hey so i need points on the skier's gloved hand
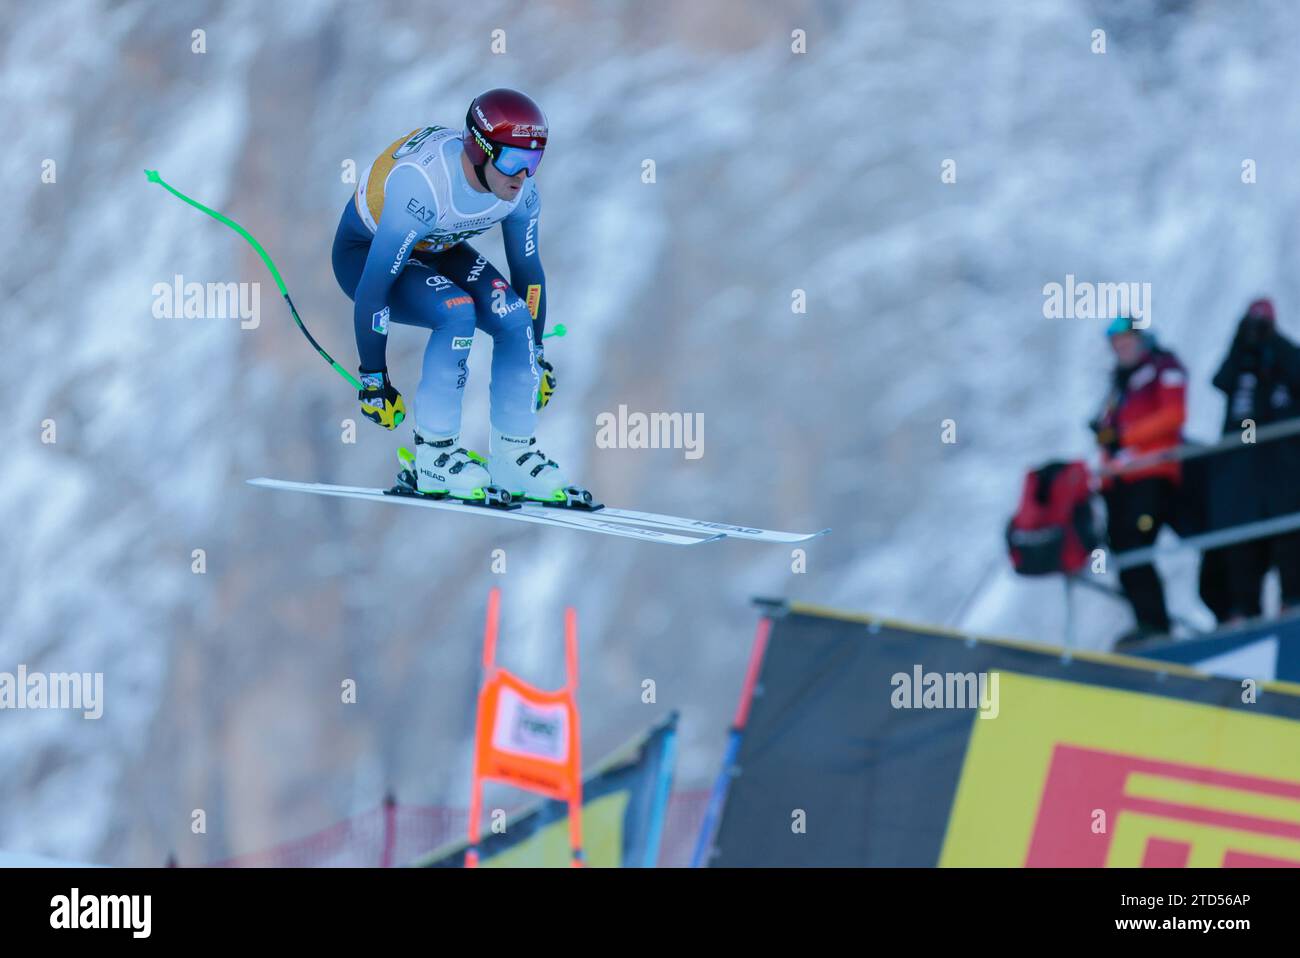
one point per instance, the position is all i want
(380, 402)
(545, 388)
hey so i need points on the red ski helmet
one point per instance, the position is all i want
(507, 128)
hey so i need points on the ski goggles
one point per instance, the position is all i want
(510, 160)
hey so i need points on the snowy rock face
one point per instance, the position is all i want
(701, 179)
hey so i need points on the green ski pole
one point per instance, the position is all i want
(275, 273)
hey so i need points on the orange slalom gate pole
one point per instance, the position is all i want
(476, 789)
(527, 737)
(575, 794)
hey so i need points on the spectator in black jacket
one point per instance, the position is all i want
(1261, 379)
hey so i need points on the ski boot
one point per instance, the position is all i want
(523, 470)
(443, 469)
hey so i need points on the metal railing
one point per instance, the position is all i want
(1264, 434)
(1208, 540)
(1218, 538)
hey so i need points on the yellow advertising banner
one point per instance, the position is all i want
(1069, 774)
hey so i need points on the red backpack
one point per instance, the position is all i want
(1053, 529)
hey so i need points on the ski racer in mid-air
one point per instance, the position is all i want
(401, 254)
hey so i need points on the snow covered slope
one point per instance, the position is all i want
(774, 172)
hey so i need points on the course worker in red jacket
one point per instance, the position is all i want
(1143, 416)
